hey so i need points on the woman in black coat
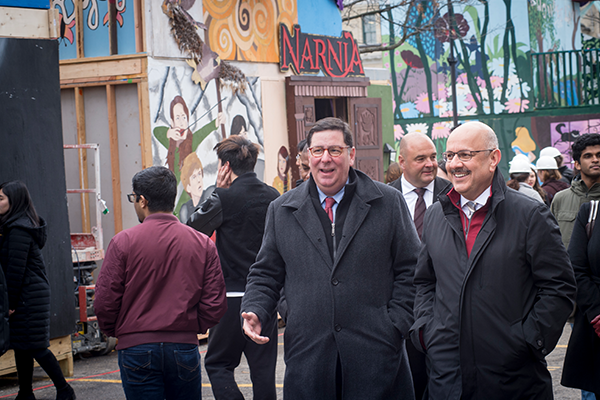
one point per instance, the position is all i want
(22, 235)
(582, 361)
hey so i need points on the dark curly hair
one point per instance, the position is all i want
(582, 142)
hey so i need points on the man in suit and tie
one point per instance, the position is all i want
(343, 248)
(420, 187)
(419, 182)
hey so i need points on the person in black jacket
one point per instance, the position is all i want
(23, 235)
(582, 362)
(237, 211)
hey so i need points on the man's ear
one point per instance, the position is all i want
(143, 201)
(495, 158)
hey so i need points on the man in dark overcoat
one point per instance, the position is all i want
(494, 282)
(344, 248)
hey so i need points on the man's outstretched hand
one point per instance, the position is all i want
(253, 328)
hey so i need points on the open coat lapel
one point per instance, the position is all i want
(307, 218)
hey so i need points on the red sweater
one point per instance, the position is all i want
(160, 281)
(470, 228)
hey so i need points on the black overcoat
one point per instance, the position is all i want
(487, 321)
(358, 305)
(28, 286)
(582, 361)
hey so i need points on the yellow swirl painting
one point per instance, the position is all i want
(246, 30)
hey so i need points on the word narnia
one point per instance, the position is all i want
(307, 54)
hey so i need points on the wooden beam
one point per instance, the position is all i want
(92, 71)
(138, 8)
(79, 21)
(71, 83)
(29, 23)
(83, 164)
(112, 28)
(145, 127)
(114, 157)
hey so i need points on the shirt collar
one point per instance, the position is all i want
(479, 201)
(337, 197)
(408, 187)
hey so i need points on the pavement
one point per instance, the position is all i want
(98, 378)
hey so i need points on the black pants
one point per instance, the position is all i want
(418, 369)
(46, 360)
(226, 343)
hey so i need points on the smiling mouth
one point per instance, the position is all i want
(461, 174)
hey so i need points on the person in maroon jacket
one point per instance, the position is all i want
(160, 285)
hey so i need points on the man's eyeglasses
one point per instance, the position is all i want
(334, 151)
(463, 155)
(132, 197)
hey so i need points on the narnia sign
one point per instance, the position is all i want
(307, 54)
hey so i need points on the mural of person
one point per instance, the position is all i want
(523, 144)
(178, 138)
(282, 180)
(192, 180)
(179, 134)
(238, 126)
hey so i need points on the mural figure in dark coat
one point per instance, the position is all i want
(22, 236)
(494, 282)
(344, 249)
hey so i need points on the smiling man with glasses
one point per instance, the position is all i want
(494, 282)
(343, 247)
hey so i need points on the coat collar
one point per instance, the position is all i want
(299, 199)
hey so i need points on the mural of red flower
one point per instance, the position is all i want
(411, 59)
(442, 28)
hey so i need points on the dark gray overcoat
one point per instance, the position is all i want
(358, 306)
(488, 320)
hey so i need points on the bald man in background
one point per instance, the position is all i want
(420, 187)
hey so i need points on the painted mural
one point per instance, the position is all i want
(492, 70)
(247, 30)
(188, 121)
(563, 134)
(95, 28)
(493, 42)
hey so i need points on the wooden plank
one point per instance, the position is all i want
(83, 164)
(61, 347)
(112, 28)
(113, 80)
(93, 71)
(27, 23)
(139, 26)
(114, 157)
(79, 21)
(145, 127)
(54, 23)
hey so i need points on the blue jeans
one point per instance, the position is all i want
(158, 371)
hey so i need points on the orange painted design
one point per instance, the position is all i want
(246, 30)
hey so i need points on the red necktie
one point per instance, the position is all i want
(329, 202)
(420, 210)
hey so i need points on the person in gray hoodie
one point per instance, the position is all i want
(584, 187)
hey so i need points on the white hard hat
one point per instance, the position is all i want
(549, 152)
(518, 157)
(520, 165)
(546, 162)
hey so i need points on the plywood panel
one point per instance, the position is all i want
(28, 23)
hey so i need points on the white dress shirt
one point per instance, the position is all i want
(479, 201)
(411, 197)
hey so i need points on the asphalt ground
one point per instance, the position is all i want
(98, 378)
